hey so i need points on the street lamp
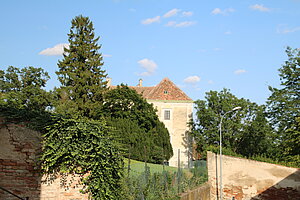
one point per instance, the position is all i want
(220, 126)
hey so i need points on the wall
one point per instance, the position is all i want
(181, 113)
(200, 193)
(19, 148)
(247, 179)
(53, 190)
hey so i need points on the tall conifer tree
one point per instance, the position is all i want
(80, 72)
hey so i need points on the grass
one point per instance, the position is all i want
(138, 167)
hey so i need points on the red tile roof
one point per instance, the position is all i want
(165, 90)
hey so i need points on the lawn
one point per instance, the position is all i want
(138, 167)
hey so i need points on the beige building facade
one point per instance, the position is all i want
(175, 116)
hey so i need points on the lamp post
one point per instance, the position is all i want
(220, 127)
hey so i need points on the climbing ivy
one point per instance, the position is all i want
(84, 147)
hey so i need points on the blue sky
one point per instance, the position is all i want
(199, 45)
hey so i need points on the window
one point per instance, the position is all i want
(166, 92)
(167, 114)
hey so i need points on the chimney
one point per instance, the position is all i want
(108, 80)
(140, 83)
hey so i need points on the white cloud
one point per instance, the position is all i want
(282, 29)
(192, 79)
(260, 7)
(171, 13)
(185, 24)
(171, 23)
(149, 65)
(187, 13)
(151, 20)
(217, 49)
(228, 33)
(240, 71)
(180, 24)
(218, 11)
(57, 50)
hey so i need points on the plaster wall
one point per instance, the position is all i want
(180, 115)
(199, 193)
(252, 180)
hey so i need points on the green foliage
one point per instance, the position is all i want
(131, 137)
(245, 131)
(257, 137)
(124, 102)
(284, 103)
(80, 73)
(135, 122)
(153, 182)
(152, 186)
(284, 109)
(34, 119)
(23, 88)
(291, 140)
(84, 147)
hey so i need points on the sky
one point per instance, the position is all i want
(199, 45)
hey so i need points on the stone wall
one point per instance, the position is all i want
(200, 193)
(252, 180)
(19, 148)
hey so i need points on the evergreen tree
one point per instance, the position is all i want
(78, 141)
(80, 72)
(136, 124)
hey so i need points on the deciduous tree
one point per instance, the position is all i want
(284, 103)
(24, 88)
(245, 131)
(284, 108)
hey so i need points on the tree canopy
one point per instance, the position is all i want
(136, 124)
(284, 103)
(246, 131)
(284, 108)
(124, 102)
(24, 88)
(80, 72)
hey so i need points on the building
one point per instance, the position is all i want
(175, 110)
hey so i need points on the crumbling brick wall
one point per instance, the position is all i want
(19, 171)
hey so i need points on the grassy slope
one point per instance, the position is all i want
(138, 167)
